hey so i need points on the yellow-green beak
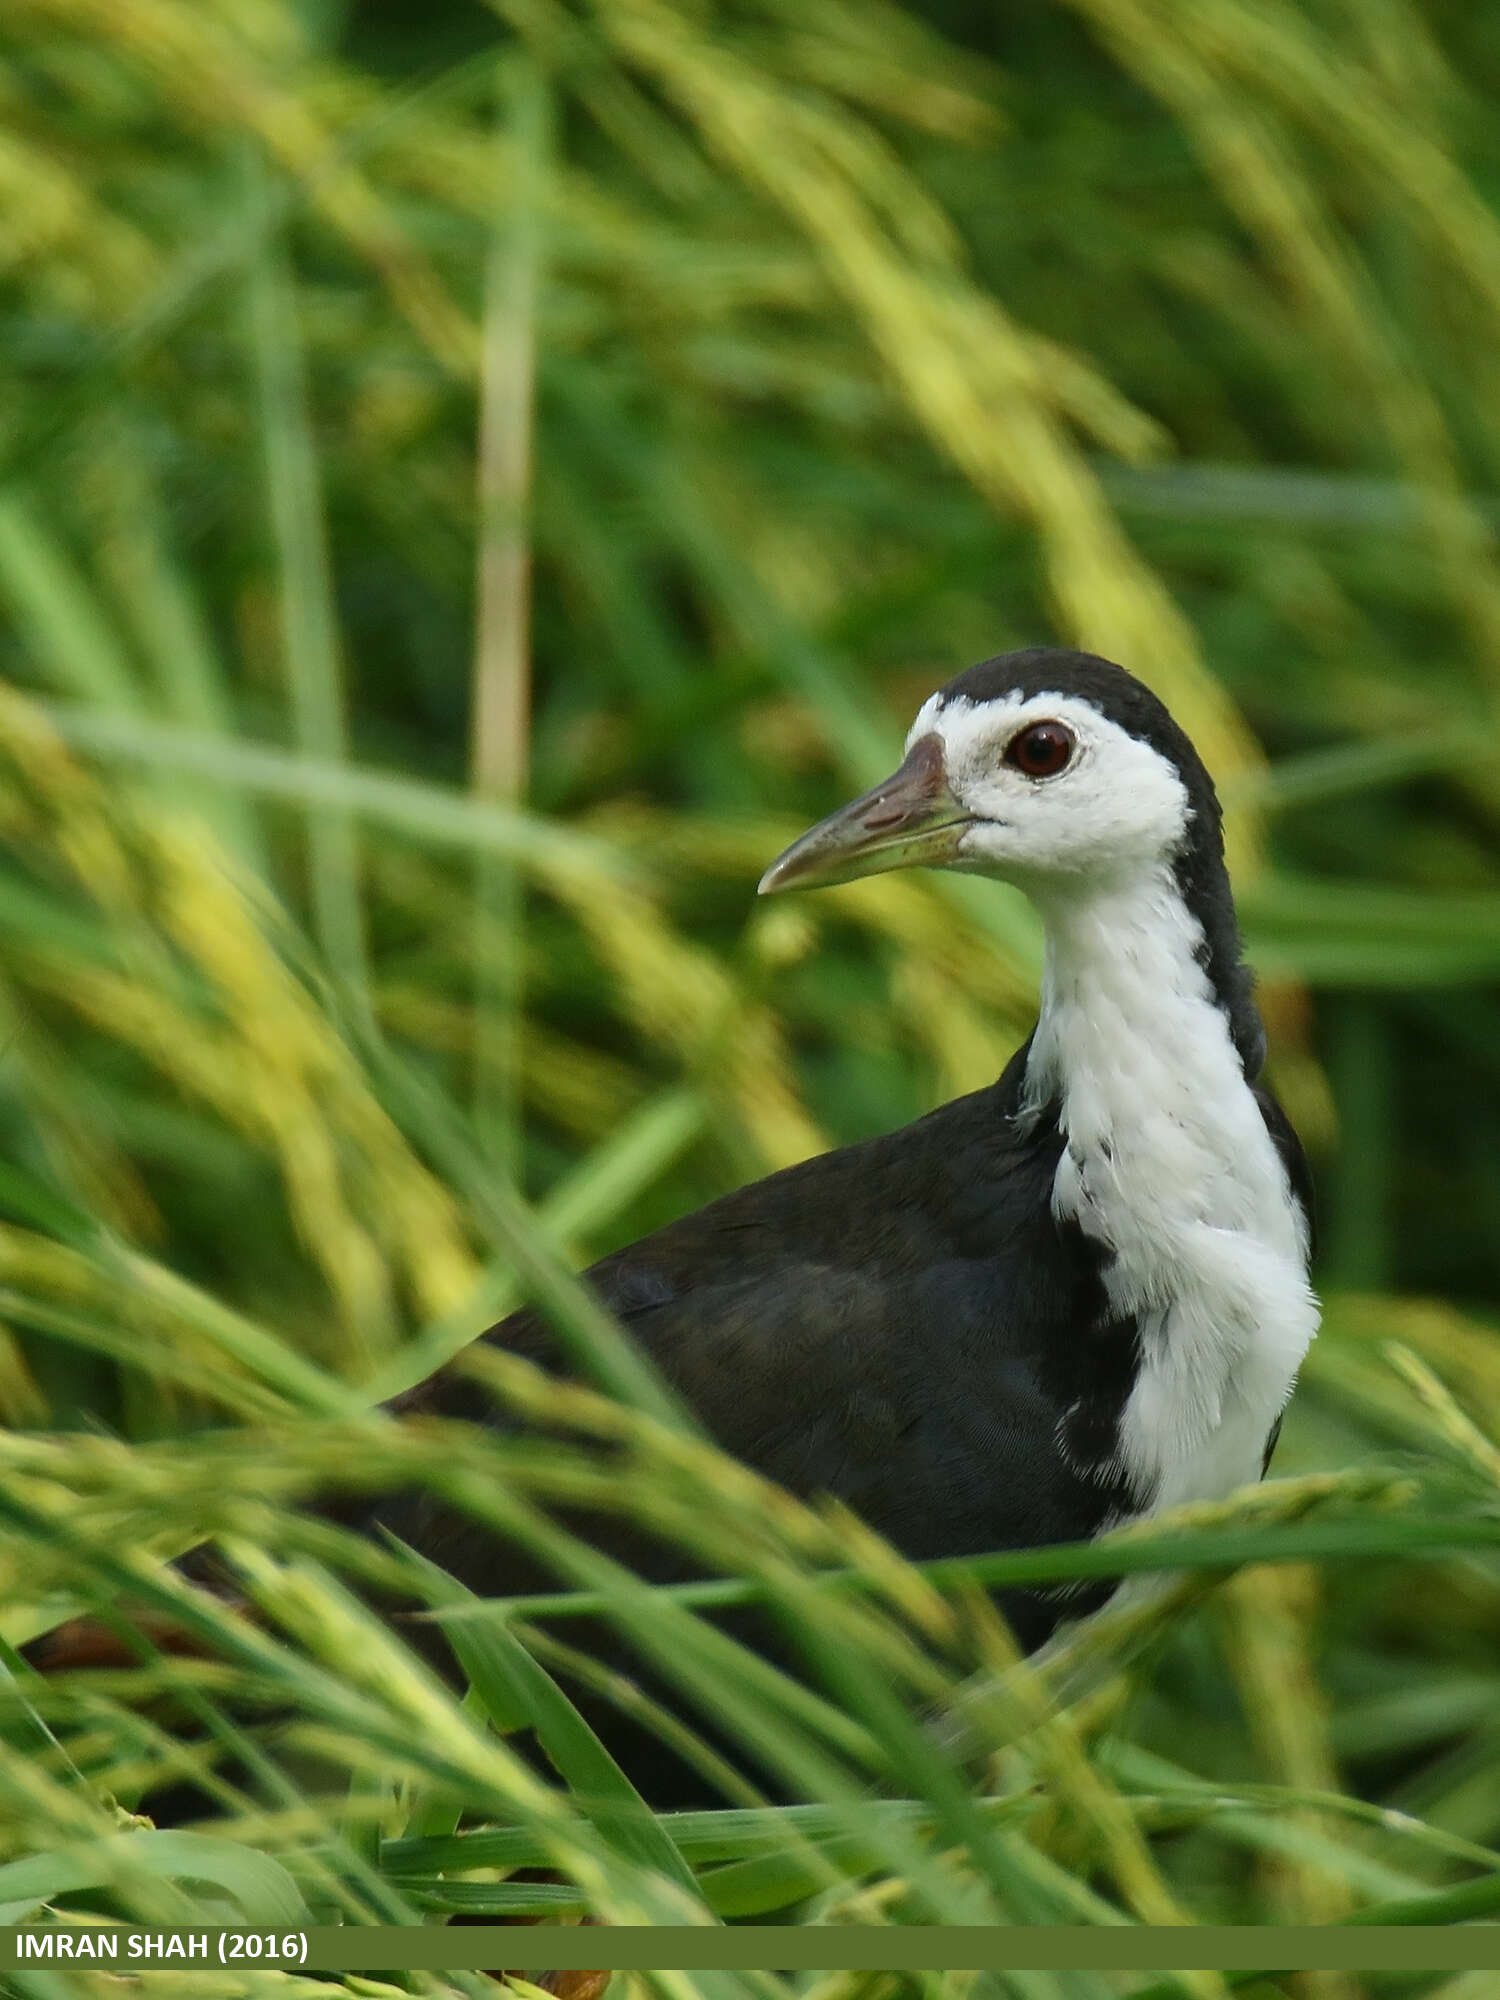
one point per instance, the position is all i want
(911, 821)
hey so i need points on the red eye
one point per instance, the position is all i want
(1042, 750)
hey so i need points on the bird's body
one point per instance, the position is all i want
(878, 1325)
(1073, 1297)
(1077, 1296)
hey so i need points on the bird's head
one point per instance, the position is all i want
(1046, 768)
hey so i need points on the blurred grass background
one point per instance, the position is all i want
(474, 481)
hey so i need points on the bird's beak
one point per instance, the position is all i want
(911, 821)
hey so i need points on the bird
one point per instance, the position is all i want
(1073, 1298)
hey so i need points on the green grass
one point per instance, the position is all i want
(819, 349)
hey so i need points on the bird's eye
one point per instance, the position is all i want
(1042, 750)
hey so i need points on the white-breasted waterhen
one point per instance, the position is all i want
(1076, 1296)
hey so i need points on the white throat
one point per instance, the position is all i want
(1168, 1162)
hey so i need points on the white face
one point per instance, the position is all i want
(1112, 807)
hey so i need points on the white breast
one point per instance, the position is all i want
(1168, 1162)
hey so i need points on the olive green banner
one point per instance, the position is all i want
(765, 1947)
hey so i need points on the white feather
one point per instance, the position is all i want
(1167, 1159)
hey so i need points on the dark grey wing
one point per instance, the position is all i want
(900, 1325)
(922, 1401)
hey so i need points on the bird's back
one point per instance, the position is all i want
(900, 1324)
